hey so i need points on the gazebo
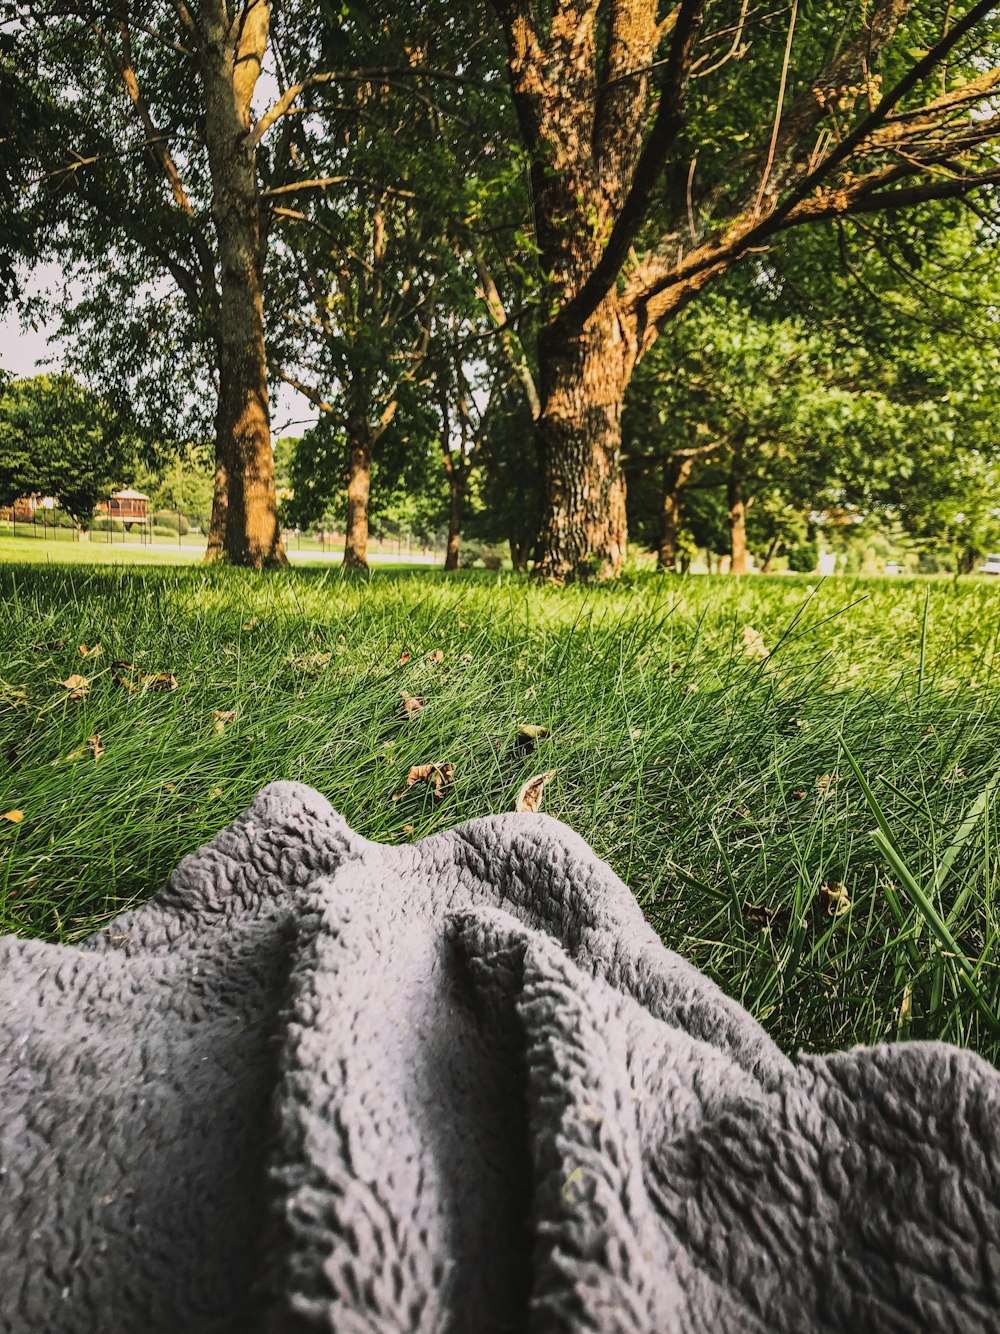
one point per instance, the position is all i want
(131, 507)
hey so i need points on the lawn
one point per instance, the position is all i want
(714, 779)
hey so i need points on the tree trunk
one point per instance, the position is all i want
(583, 380)
(230, 63)
(359, 485)
(216, 549)
(519, 553)
(772, 551)
(676, 472)
(456, 487)
(737, 523)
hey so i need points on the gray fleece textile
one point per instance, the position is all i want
(322, 1084)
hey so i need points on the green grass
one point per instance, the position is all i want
(36, 551)
(718, 785)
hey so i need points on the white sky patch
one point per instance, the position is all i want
(25, 351)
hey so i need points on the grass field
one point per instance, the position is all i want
(715, 780)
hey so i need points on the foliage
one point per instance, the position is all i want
(58, 439)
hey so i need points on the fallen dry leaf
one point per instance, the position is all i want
(529, 798)
(52, 646)
(222, 717)
(407, 829)
(78, 686)
(15, 817)
(436, 656)
(438, 776)
(798, 794)
(404, 658)
(411, 703)
(753, 643)
(466, 658)
(96, 748)
(86, 652)
(825, 781)
(769, 919)
(134, 680)
(169, 787)
(216, 792)
(252, 624)
(835, 898)
(532, 732)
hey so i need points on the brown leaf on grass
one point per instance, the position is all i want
(532, 732)
(216, 792)
(134, 680)
(438, 776)
(835, 898)
(15, 817)
(529, 798)
(86, 652)
(50, 646)
(799, 794)
(466, 658)
(404, 658)
(96, 748)
(825, 781)
(169, 787)
(78, 686)
(221, 718)
(252, 624)
(435, 656)
(768, 919)
(412, 704)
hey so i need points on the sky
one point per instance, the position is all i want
(30, 351)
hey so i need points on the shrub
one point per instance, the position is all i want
(102, 524)
(473, 554)
(803, 558)
(172, 521)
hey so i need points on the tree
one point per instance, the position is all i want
(58, 439)
(664, 149)
(814, 382)
(166, 159)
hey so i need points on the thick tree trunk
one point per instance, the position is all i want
(737, 523)
(230, 63)
(359, 485)
(456, 487)
(583, 380)
(676, 472)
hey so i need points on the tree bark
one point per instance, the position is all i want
(230, 62)
(359, 483)
(583, 379)
(456, 489)
(676, 472)
(216, 549)
(737, 522)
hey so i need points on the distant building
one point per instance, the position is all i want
(28, 508)
(128, 506)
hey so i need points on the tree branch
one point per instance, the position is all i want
(666, 126)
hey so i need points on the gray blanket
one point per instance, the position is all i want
(321, 1084)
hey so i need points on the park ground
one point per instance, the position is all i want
(798, 782)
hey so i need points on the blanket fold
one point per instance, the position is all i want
(321, 1084)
